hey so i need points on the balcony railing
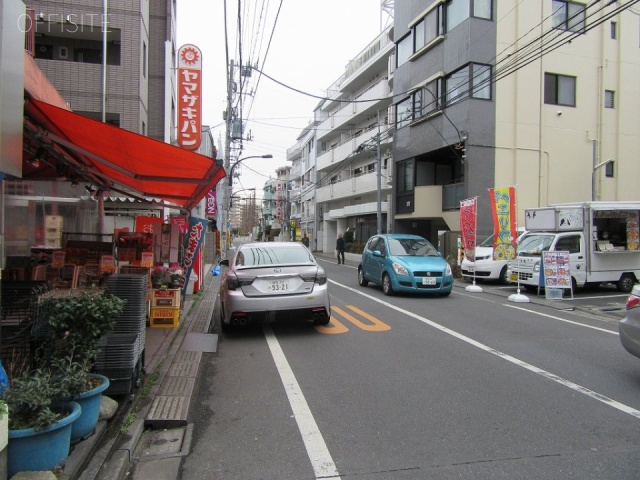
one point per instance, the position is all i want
(346, 148)
(354, 186)
(360, 209)
(350, 110)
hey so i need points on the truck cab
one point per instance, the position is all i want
(526, 267)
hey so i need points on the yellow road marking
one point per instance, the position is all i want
(378, 325)
(334, 327)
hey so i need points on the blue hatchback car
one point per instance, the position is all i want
(404, 263)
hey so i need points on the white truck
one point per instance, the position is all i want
(601, 238)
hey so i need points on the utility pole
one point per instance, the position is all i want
(379, 189)
(226, 193)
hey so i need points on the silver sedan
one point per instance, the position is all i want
(273, 280)
(629, 326)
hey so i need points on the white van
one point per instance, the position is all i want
(485, 267)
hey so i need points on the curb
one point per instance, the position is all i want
(119, 460)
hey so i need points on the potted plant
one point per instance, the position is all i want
(39, 427)
(176, 275)
(159, 276)
(76, 324)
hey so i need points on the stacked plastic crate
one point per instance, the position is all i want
(121, 356)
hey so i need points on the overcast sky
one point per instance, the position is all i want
(308, 50)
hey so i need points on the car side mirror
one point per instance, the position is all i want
(224, 263)
(377, 253)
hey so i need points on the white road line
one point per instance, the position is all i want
(321, 461)
(560, 319)
(532, 368)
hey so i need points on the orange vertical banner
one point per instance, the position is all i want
(503, 207)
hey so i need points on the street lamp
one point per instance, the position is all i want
(267, 155)
(227, 194)
(243, 190)
(593, 177)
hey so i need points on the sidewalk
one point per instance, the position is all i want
(123, 447)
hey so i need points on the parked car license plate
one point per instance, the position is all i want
(428, 281)
(278, 286)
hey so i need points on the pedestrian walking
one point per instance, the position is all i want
(341, 246)
(305, 240)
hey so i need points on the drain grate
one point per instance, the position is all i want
(200, 342)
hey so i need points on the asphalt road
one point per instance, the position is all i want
(470, 386)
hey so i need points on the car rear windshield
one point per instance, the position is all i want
(411, 246)
(268, 255)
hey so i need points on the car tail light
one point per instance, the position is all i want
(320, 278)
(632, 302)
(233, 281)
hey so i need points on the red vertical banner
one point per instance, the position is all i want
(189, 97)
(468, 227)
(503, 207)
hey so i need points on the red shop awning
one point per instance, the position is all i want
(145, 166)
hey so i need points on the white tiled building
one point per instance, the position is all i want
(352, 138)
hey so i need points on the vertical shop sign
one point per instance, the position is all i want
(503, 207)
(189, 97)
(468, 227)
(180, 221)
(193, 242)
(211, 208)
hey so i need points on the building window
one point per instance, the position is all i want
(482, 9)
(427, 99)
(405, 176)
(559, 90)
(609, 99)
(481, 81)
(144, 60)
(568, 15)
(614, 30)
(428, 29)
(404, 49)
(457, 12)
(87, 55)
(473, 80)
(404, 113)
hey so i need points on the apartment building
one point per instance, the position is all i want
(137, 90)
(276, 207)
(353, 148)
(540, 95)
(303, 185)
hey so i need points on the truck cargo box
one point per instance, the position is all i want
(554, 219)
